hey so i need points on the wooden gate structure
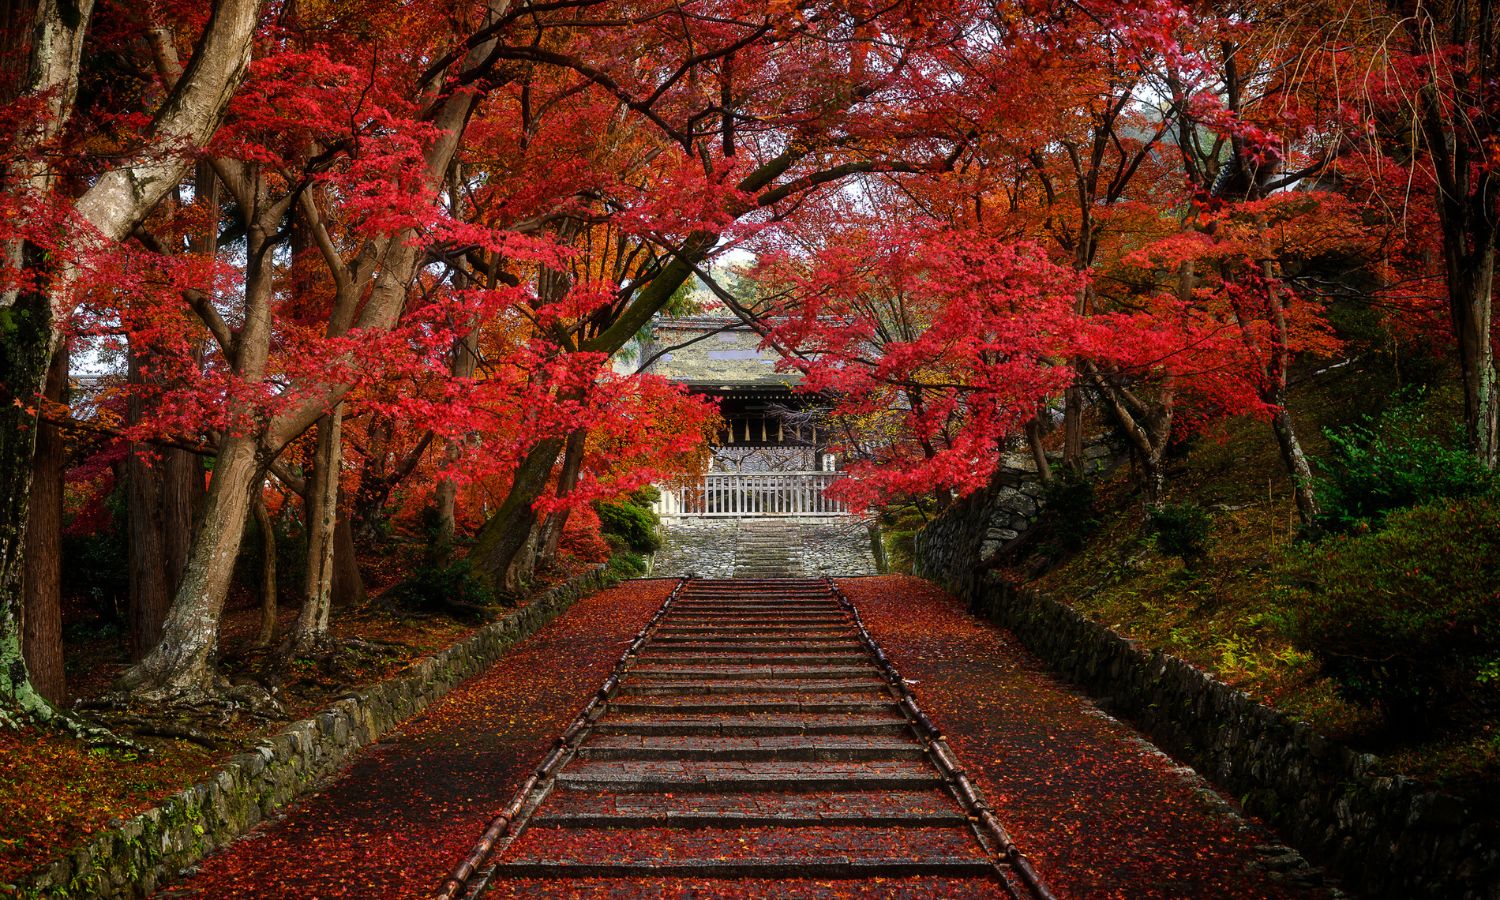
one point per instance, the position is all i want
(752, 494)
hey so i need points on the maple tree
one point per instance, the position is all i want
(1434, 114)
(941, 344)
(42, 272)
(381, 259)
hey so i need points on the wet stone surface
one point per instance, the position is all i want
(752, 762)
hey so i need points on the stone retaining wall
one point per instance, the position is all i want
(1380, 836)
(155, 846)
(709, 547)
(988, 523)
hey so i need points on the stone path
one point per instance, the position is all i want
(752, 731)
(768, 548)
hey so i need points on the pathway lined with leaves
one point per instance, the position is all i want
(753, 730)
(663, 778)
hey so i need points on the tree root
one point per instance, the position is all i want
(206, 708)
(151, 727)
(30, 709)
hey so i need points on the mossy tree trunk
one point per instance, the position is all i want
(42, 609)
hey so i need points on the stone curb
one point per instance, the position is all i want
(154, 847)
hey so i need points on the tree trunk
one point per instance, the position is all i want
(181, 665)
(503, 538)
(268, 598)
(150, 585)
(25, 357)
(1297, 467)
(182, 472)
(465, 361)
(445, 497)
(567, 479)
(348, 584)
(42, 611)
(1073, 429)
(1038, 452)
(1471, 280)
(1147, 426)
(311, 628)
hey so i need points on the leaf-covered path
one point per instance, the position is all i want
(1099, 811)
(753, 730)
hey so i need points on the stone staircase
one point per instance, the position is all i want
(768, 548)
(755, 732)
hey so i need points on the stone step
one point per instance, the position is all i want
(719, 615)
(706, 726)
(753, 704)
(837, 645)
(663, 669)
(716, 777)
(848, 638)
(836, 867)
(666, 844)
(670, 656)
(750, 686)
(730, 623)
(803, 808)
(821, 604)
(756, 595)
(785, 748)
(690, 819)
(730, 653)
(759, 595)
(667, 629)
(753, 738)
(765, 610)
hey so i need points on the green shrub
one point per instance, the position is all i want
(901, 549)
(632, 523)
(1391, 462)
(627, 565)
(1070, 508)
(453, 589)
(1406, 619)
(1180, 530)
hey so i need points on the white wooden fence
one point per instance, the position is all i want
(740, 494)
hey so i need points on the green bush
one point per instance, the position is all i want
(1406, 619)
(1391, 462)
(901, 549)
(630, 522)
(627, 565)
(1070, 509)
(1180, 530)
(453, 589)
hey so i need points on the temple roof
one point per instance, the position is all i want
(726, 356)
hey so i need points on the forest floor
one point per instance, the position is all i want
(1228, 614)
(1101, 812)
(58, 792)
